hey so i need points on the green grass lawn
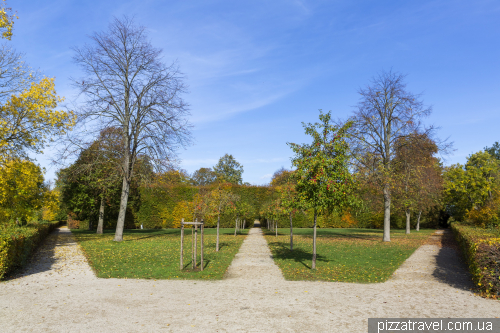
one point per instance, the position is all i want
(155, 254)
(347, 255)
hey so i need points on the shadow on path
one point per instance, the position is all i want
(44, 257)
(450, 266)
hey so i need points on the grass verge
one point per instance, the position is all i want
(346, 255)
(154, 254)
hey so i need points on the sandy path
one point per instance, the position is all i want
(254, 260)
(66, 297)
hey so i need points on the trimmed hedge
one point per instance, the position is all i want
(18, 243)
(481, 249)
(158, 203)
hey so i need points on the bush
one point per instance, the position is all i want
(18, 243)
(481, 249)
(72, 222)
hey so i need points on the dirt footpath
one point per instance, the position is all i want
(60, 294)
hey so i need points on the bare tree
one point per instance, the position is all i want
(126, 85)
(386, 114)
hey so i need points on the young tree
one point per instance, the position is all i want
(288, 200)
(219, 200)
(126, 85)
(386, 114)
(229, 170)
(322, 174)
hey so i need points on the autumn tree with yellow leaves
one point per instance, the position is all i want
(6, 20)
(21, 190)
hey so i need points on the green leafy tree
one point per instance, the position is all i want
(494, 150)
(322, 174)
(473, 185)
(203, 177)
(95, 178)
(229, 170)
(280, 177)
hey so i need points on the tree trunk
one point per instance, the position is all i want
(291, 233)
(276, 227)
(387, 213)
(407, 221)
(313, 266)
(218, 223)
(100, 224)
(235, 227)
(418, 221)
(123, 209)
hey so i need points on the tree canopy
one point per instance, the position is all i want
(229, 170)
(322, 177)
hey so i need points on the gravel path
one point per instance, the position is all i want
(59, 293)
(254, 260)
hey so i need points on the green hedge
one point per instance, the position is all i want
(157, 199)
(18, 243)
(481, 248)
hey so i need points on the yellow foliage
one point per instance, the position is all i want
(348, 220)
(21, 190)
(6, 22)
(50, 205)
(183, 210)
(28, 119)
(487, 214)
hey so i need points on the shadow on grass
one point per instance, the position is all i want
(188, 267)
(283, 252)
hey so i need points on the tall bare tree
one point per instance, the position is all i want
(126, 85)
(386, 113)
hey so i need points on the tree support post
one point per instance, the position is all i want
(182, 244)
(194, 238)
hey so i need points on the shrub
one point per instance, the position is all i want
(481, 249)
(72, 223)
(17, 244)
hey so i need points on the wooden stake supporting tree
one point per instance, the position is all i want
(194, 241)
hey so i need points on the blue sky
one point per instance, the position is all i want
(257, 69)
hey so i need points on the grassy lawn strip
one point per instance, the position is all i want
(346, 255)
(154, 254)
